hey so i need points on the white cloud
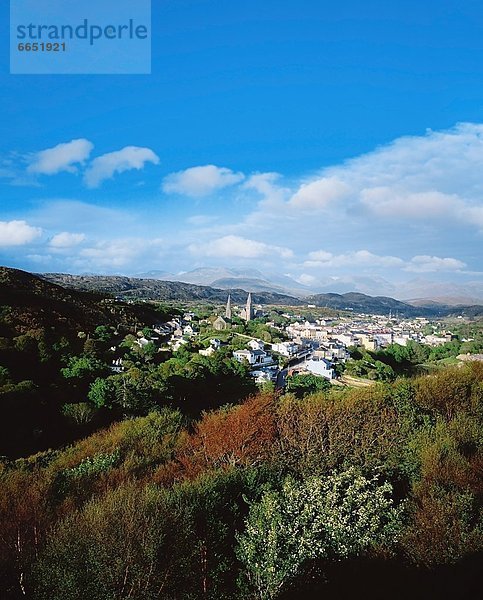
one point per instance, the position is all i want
(64, 214)
(105, 166)
(319, 194)
(394, 203)
(266, 184)
(364, 258)
(306, 279)
(435, 176)
(232, 246)
(200, 181)
(17, 233)
(432, 264)
(41, 259)
(62, 157)
(322, 258)
(66, 240)
(429, 180)
(119, 253)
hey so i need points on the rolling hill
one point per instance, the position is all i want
(132, 288)
(30, 302)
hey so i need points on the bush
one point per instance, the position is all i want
(334, 517)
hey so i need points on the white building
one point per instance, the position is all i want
(320, 367)
(207, 351)
(256, 345)
(253, 357)
(286, 348)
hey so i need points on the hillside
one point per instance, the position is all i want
(29, 302)
(224, 278)
(363, 303)
(153, 289)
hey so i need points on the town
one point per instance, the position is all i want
(288, 342)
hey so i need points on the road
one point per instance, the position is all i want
(281, 377)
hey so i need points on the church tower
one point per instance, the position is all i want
(228, 308)
(249, 314)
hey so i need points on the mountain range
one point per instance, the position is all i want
(224, 278)
(135, 288)
(132, 288)
(419, 291)
(75, 301)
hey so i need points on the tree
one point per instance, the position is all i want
(80, 413)
(103, 333)
(102, 392)
(320, 518)
(83, 367)
(384, 372)
(302, 385)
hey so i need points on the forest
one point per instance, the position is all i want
(280, 496)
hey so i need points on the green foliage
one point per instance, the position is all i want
(150, 506)
(303, 384)
(82, 368)
(80, 413)
(92, 465)
(335, 517)
(4, 376)
(107, 550)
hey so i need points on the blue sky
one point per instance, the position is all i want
(311, 138)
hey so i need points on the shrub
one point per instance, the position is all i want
(335, 517)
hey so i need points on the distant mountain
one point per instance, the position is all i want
(363, 303)
(414, 290)
(383, 305)
(164, 275)
(255, 285)
(364, 284)
(131, 288)
(446, 292)
(224, 278)
(152, 289)
(29, 302)
(445, 300)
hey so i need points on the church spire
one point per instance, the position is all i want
(249, 308)
(228, 308)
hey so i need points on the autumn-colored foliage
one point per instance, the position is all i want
(238, 436)
(151, 507)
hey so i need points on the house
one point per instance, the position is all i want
(116, 365)
(286, 348)
(384, 339)
(215, 344)
(207, 351)
(189, 331)
(344, 338)
(253, 357)
(333, 351)
(434, 340)
(262, 376)
(320, 367)
(368, 342)
(142, 341)
(256, 345)
(176, 343)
